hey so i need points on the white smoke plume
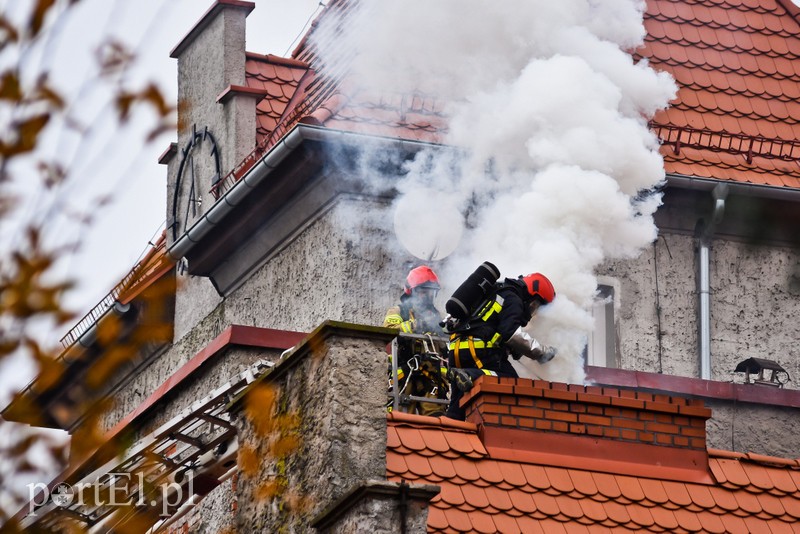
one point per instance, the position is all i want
(558, 167)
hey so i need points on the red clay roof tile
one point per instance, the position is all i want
(583, 482)
(640, 515)
(475, 496)
(458, 519)
(418, 465)
(570, 507)
(724, 498)
(436, 518)
(735, 525)
(395, 463)
(499, 498)
(559, 479)
(782, 480)
(482, 522)
(522, 501)
(687, 520)
(654, 490)
(792, 507)
(443, 467)
(630, 488)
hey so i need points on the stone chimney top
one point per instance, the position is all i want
(206, 19)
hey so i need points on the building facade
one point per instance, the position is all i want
(280, 256)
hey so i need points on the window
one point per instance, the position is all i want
(601, 348)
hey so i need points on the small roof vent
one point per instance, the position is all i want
(766, 372)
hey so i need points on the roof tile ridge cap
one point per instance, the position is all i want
(771, 460)
(280, 60)
(396, 418)
(722, 453)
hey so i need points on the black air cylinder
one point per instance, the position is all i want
(473, 291)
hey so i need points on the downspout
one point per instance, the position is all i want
(719, 193)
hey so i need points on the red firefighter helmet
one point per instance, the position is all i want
(540, 286)
(422, 276)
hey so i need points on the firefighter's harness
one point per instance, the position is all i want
(458, 342)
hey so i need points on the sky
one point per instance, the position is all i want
(114, 176)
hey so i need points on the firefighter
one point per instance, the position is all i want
(417, 314)
(494, 333)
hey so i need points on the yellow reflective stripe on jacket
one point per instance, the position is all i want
(496, 307)
(471, 343)
(392, 320)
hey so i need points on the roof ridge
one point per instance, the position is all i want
(397, 418)
(772, 461)
(278, 60)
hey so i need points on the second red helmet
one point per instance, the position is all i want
(540, 286)
(422, 276)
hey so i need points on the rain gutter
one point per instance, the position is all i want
(266, 165)
(734, 188)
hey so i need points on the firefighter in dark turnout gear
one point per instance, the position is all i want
(495, 332)
(417, 314)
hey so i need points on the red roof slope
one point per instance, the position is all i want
(736, 116)
(536, 456)
(279, 77)
(485, 494)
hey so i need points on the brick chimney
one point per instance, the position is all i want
(607, 429)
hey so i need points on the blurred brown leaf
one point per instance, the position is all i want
(27, 135)
(8, 32)
(38, 15)
(9, 87)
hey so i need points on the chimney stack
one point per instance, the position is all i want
(607, 429)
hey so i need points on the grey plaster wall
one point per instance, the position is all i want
(336, 391)
(338, 268)
(755, 299)
(195, 299)
(743, 427)
(214, 374)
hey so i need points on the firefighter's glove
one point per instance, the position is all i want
(522, 344)
(546, 354)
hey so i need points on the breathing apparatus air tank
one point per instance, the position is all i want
(472, 292)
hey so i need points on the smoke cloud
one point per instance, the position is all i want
(557, 171)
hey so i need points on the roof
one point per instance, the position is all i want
(279, 77)
(483, 493)
(736, 116)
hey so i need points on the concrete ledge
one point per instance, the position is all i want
(312, 341)
(401, 491)
(694, 387)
